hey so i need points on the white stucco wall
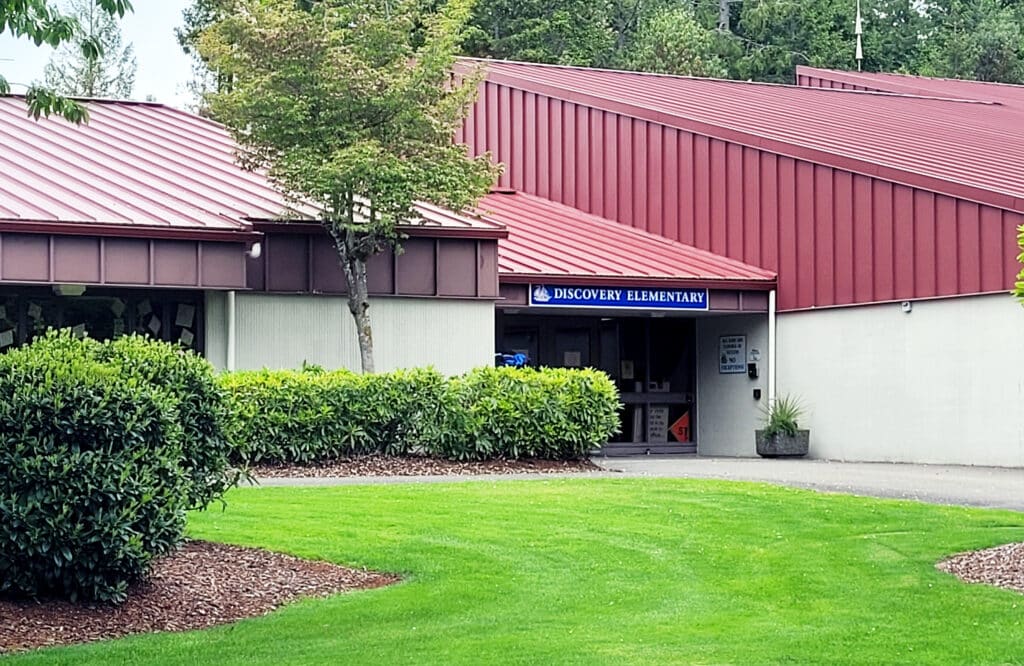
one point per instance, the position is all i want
(282, 331)
(727, 413)
(941, 384)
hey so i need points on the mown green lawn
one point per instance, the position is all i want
(607, 572)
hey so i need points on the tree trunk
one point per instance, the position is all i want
(723, 15)
(358, 299)
(359, 305)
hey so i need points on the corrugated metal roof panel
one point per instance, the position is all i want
(1003, 93)
(145, 166)
(963, 148)
(551, 241)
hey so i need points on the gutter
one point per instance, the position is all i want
(65, 228)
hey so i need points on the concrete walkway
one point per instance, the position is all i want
(939, 484)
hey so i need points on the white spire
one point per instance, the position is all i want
(859, 30)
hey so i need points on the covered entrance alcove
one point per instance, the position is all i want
(655, 315)
(651, 360)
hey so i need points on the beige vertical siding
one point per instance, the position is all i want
(282, 331)
(941, 384)
(727, 413)
(451, 335)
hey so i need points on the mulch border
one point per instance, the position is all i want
(201, 585)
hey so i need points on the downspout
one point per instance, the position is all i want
(771, 347)
(230, 362)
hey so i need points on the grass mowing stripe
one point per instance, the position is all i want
(599, 571)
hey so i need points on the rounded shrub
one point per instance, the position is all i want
(191, 383)
(92, 485)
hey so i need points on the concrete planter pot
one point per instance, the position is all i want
(782, 445)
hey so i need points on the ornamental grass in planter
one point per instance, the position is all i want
(781, 435)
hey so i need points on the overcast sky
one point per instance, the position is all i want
(164, 71)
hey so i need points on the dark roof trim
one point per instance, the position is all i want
(909, 178)
(64, 228)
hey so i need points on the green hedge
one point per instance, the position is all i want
(534, 413)
(285, 416)
(98, 461)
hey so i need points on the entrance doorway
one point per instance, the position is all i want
(651, 360)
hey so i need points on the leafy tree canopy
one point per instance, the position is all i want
(671, 41)
(349, 104)
(41, 22)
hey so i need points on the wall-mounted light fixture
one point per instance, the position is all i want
(907, 306)
(255, 251)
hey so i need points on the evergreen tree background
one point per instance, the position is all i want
(765, 39)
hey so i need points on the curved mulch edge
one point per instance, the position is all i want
(201, 585)
(381, 465)
(1002, 566)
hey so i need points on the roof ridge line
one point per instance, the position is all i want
(912, 77)
(738, 82)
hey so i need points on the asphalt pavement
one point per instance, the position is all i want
(993, 487)
(939, 484)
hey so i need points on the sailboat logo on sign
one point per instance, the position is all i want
(541, 294)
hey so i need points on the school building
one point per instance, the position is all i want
(849, 240)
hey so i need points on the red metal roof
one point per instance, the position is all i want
(1002, 93)
(971, 150)
(147, 169)
(562, 245)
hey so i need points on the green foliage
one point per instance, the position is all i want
(287, 416)
(91, 485)
(564, 32)
(280, 416)
(350, 106)
(782, 416)
(777, 36)
(672, 42)
(976, 39)
(549, 413)
(973, 39)
(109, 73)
(41, 22)
(190, 383)
(103, 447)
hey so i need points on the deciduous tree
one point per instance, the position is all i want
(342, 109)
(41, 22)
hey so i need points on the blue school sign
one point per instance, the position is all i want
(636, 298)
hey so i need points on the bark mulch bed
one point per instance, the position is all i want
(1002, 566)
(201, 585)
(419, 466)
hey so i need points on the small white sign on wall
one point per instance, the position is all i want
(657, 423)
(732, 354)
